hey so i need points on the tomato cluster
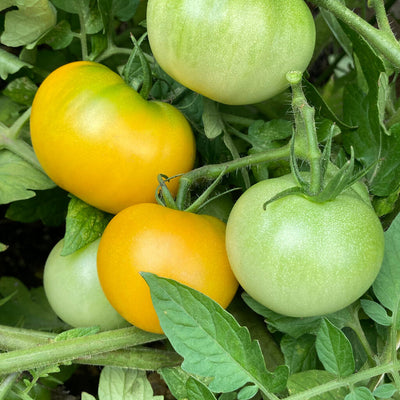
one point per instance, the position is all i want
(99, 139)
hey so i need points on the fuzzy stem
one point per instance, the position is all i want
(64, 351)
(382, 41)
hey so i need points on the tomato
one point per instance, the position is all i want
(301, 258)
(179, 245)
(73, 289)
(99, 139)
(232, 51)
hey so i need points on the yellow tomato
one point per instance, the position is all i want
(179, 245)
(100, 140)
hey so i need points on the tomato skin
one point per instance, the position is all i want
(100, 140)
(73, 289)
(300, 258)
(232, 51)
(179, 245)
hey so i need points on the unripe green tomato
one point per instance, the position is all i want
(232, 51)
(73, 289)
(301, 258)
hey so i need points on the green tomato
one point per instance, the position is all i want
(73, 289)
(232, 51)
(301, 258)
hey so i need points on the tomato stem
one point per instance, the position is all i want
(306, 133)
(213, 171)
(64, 351)
(382, 40)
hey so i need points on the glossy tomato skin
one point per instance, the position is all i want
(232, 51)
(179, 245)
(100, 140)
(300, 258)
(73, 289)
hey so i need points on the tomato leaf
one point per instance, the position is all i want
(26, 308)
(25, 25)
(48, 206)
(376, 312)
(334, 350)
(360, 393)
(84, 224)
(387, 284)
(364, 105)
(10, 64)
(385, 391)
(212, 121)
(308, 379)
(300, 354)
(295, 327)
(128, 384)
(212, 343)
(59, 37)
(18, 179)
(198, 391)
(176, 379)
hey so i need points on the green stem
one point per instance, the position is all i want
(212, 171)
(306, 134)
(82, 36)
(237, 119)
(345, 382)
(140, 357)
(381, 16)
(380, 40)
(64, 351)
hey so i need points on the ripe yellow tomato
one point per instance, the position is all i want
(179, 245)
(99, 139)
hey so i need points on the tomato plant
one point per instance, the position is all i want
(99, 139)
(73, 289)
(302, 258)
(175, 244)
(235, 52)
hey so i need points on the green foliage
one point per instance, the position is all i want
(249, 351)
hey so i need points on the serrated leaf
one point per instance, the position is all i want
(376, 312)
(360, 393)
(21, 90)
(26, 308)
(334, 350)
(209, 339)
(387, 284)
(176, 379)
(25, 25)
(84, 224)
(59, 37)
(125, 10)
(10, 64)
(196, 390)
(262, 134)
(302, 381)
(77, 332)
(127, 384)
(385, 391)
(212, 121)
(48, 206)
(248, 392)
(300, 354)
(18, 178)
(295, 327)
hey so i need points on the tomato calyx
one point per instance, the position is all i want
(165, 198)
(130, 70)
(322, 185)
